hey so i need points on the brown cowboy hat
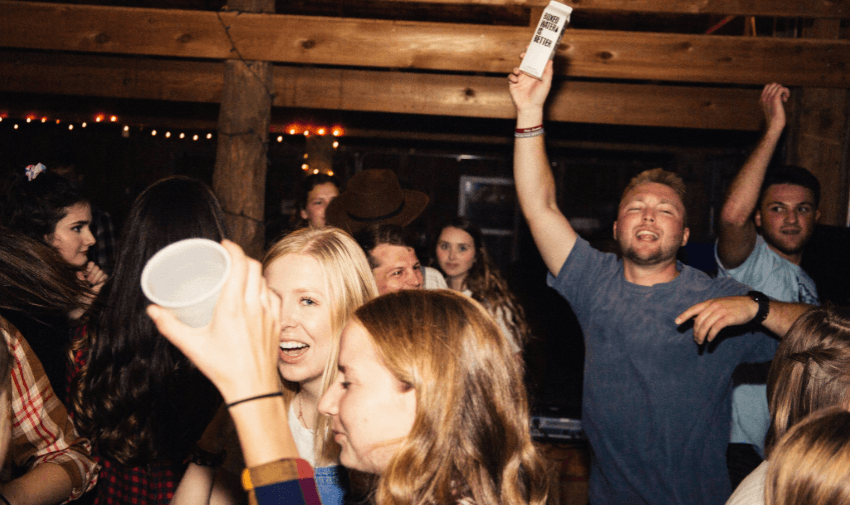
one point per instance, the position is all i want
(374, 196)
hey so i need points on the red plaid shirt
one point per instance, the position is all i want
(42, 432)
(150, 485)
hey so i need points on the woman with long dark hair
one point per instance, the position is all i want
(460, 254)
(47, 461)
(52, 210)
(137, 397)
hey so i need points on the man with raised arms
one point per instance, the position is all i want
(655, 405)
(765, 224)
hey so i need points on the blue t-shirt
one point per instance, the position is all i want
(656, 407)
(773, 275)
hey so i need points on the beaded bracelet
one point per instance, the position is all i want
(528, 132)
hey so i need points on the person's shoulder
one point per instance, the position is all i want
(718, 286)
(585, 260)
(751, 490)
(433, 279)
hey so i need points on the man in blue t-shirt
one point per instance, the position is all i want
(767, 219)
(655, 404)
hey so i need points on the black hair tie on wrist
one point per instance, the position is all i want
(252, 398)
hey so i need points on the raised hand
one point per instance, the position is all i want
(529, 94)
(773, 96)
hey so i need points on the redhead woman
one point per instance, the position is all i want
(463, 259)
(427, 397)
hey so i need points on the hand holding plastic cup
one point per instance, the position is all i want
(186, 278)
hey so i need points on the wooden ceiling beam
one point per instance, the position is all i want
(829, 9)
(441, 47)
(382, 91)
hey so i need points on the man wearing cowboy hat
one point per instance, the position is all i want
(373, 199)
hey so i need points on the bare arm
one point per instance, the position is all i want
(44, 484)
(712, 316)
(535, 184)
(737, 232)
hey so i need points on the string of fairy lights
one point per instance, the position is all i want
(278, 133)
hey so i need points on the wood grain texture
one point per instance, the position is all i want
(383, 91)
(820, 140)
(777, 8)
(422, 46)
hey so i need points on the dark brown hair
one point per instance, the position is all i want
(138, 398)
(487, 284)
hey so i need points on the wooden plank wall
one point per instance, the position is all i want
(612, 77)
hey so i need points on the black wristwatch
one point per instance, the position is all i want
(764, 306)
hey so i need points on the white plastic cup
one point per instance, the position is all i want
(186, 278)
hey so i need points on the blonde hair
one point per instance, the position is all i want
(659, 176)
(811, 464)
(349, 283)
(810, 370)
(470, 439)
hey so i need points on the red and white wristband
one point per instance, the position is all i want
(534, 131)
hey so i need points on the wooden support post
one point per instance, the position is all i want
(819, 135)
(239, 179)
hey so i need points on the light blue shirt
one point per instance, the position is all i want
(766, 271)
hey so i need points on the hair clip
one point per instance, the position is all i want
(32, 171)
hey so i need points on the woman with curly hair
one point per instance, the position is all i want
(52, 210)
(49, 208)
(138, 399)
(463, 259)
(427, 397)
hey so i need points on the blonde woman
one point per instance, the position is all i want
(321, 276)
(427, 397)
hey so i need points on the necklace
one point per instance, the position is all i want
(300, 409)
